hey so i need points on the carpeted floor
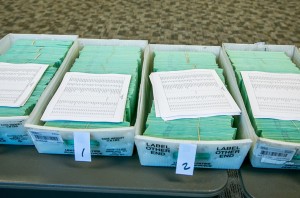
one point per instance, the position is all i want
(199, 22)
(194, 22)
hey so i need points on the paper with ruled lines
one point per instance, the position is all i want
(89, 97)
(273, 95)
(191, 94)
(17, 82)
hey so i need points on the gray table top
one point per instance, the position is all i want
(22, 167)
(263, 182)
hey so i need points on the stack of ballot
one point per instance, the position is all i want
(51, 52)
(185, 73)
(269, 83)
(48, 52)
(106, 60)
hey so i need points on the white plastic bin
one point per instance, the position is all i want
(163, 152)
(104, 141)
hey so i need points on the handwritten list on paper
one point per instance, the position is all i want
(273, 95)
(89, 97)
(191, 94)
(17, 82)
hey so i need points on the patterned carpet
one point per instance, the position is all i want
(205, 22)
(197, 22)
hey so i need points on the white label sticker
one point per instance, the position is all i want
(274, 155)
(82, 147)
(48, 137)
(186, 159)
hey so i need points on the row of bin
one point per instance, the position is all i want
(152, 151)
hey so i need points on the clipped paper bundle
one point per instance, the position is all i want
(279, 78)
(108, 60)
(49, 52)
(217, 127)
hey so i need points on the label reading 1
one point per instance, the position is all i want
(48, 137)
(82, 148)
(186, 159)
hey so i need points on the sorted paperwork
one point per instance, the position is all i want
(17, 82)
(48, 52)
(89, 97)
(108, 60)
(184, 90)
(273, 95)
(272, 101)
(191, 94)
(51, 52)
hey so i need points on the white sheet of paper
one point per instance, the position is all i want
(90, 98)
(273, 95)
(186, 159)
(82, 147)
(191, 94)
(17, 82)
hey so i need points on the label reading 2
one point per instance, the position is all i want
(186, 159)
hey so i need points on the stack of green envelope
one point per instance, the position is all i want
(109, 60)
(276, 62)
(204, 128)
(50, 52)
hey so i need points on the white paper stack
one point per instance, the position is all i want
(17, 82)
(191, 93)
(273, 95)
(270, 85)
(89, 98)
(191, 101)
